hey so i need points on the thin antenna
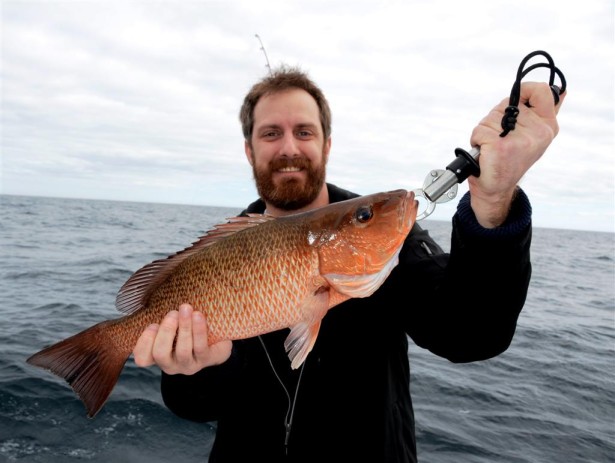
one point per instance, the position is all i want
(264, 52)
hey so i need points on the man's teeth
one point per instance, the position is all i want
(290, 169)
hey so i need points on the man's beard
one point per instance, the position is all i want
(291, 193)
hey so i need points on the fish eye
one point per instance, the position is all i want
(364, 214)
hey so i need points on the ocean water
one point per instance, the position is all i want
(550, 398)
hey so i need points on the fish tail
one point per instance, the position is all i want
(90, 361)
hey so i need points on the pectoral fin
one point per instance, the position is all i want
(300, 341)
(302, 336)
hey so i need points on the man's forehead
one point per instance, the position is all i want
(278, 107)
(289, 96)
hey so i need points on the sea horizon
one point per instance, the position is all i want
(240, 208)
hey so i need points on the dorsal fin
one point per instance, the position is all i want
(135, 292)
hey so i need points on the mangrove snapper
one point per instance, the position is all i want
(249, 276)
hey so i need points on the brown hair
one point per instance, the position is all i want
(280, 79)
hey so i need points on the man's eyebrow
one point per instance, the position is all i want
(301, 125)
(269, 126)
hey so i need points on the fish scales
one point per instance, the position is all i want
(241, 283)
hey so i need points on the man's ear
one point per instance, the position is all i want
(327, 149)
(248, 150)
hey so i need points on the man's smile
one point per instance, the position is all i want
(289, 169)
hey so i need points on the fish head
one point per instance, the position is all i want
(359, 239)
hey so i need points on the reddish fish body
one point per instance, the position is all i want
(249, 276)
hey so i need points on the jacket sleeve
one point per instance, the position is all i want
(201, 397)
(465, 304)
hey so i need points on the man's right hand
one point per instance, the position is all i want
(190, 353)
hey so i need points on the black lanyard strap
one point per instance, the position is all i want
(512, 110)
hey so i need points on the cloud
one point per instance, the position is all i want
(139, 100)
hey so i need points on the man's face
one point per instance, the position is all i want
(287, 151)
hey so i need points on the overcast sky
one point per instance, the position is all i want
(138, 100)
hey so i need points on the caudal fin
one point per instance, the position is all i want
(89, 361)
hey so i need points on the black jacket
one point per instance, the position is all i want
(353, 401)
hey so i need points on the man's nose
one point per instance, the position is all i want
(289, 146)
